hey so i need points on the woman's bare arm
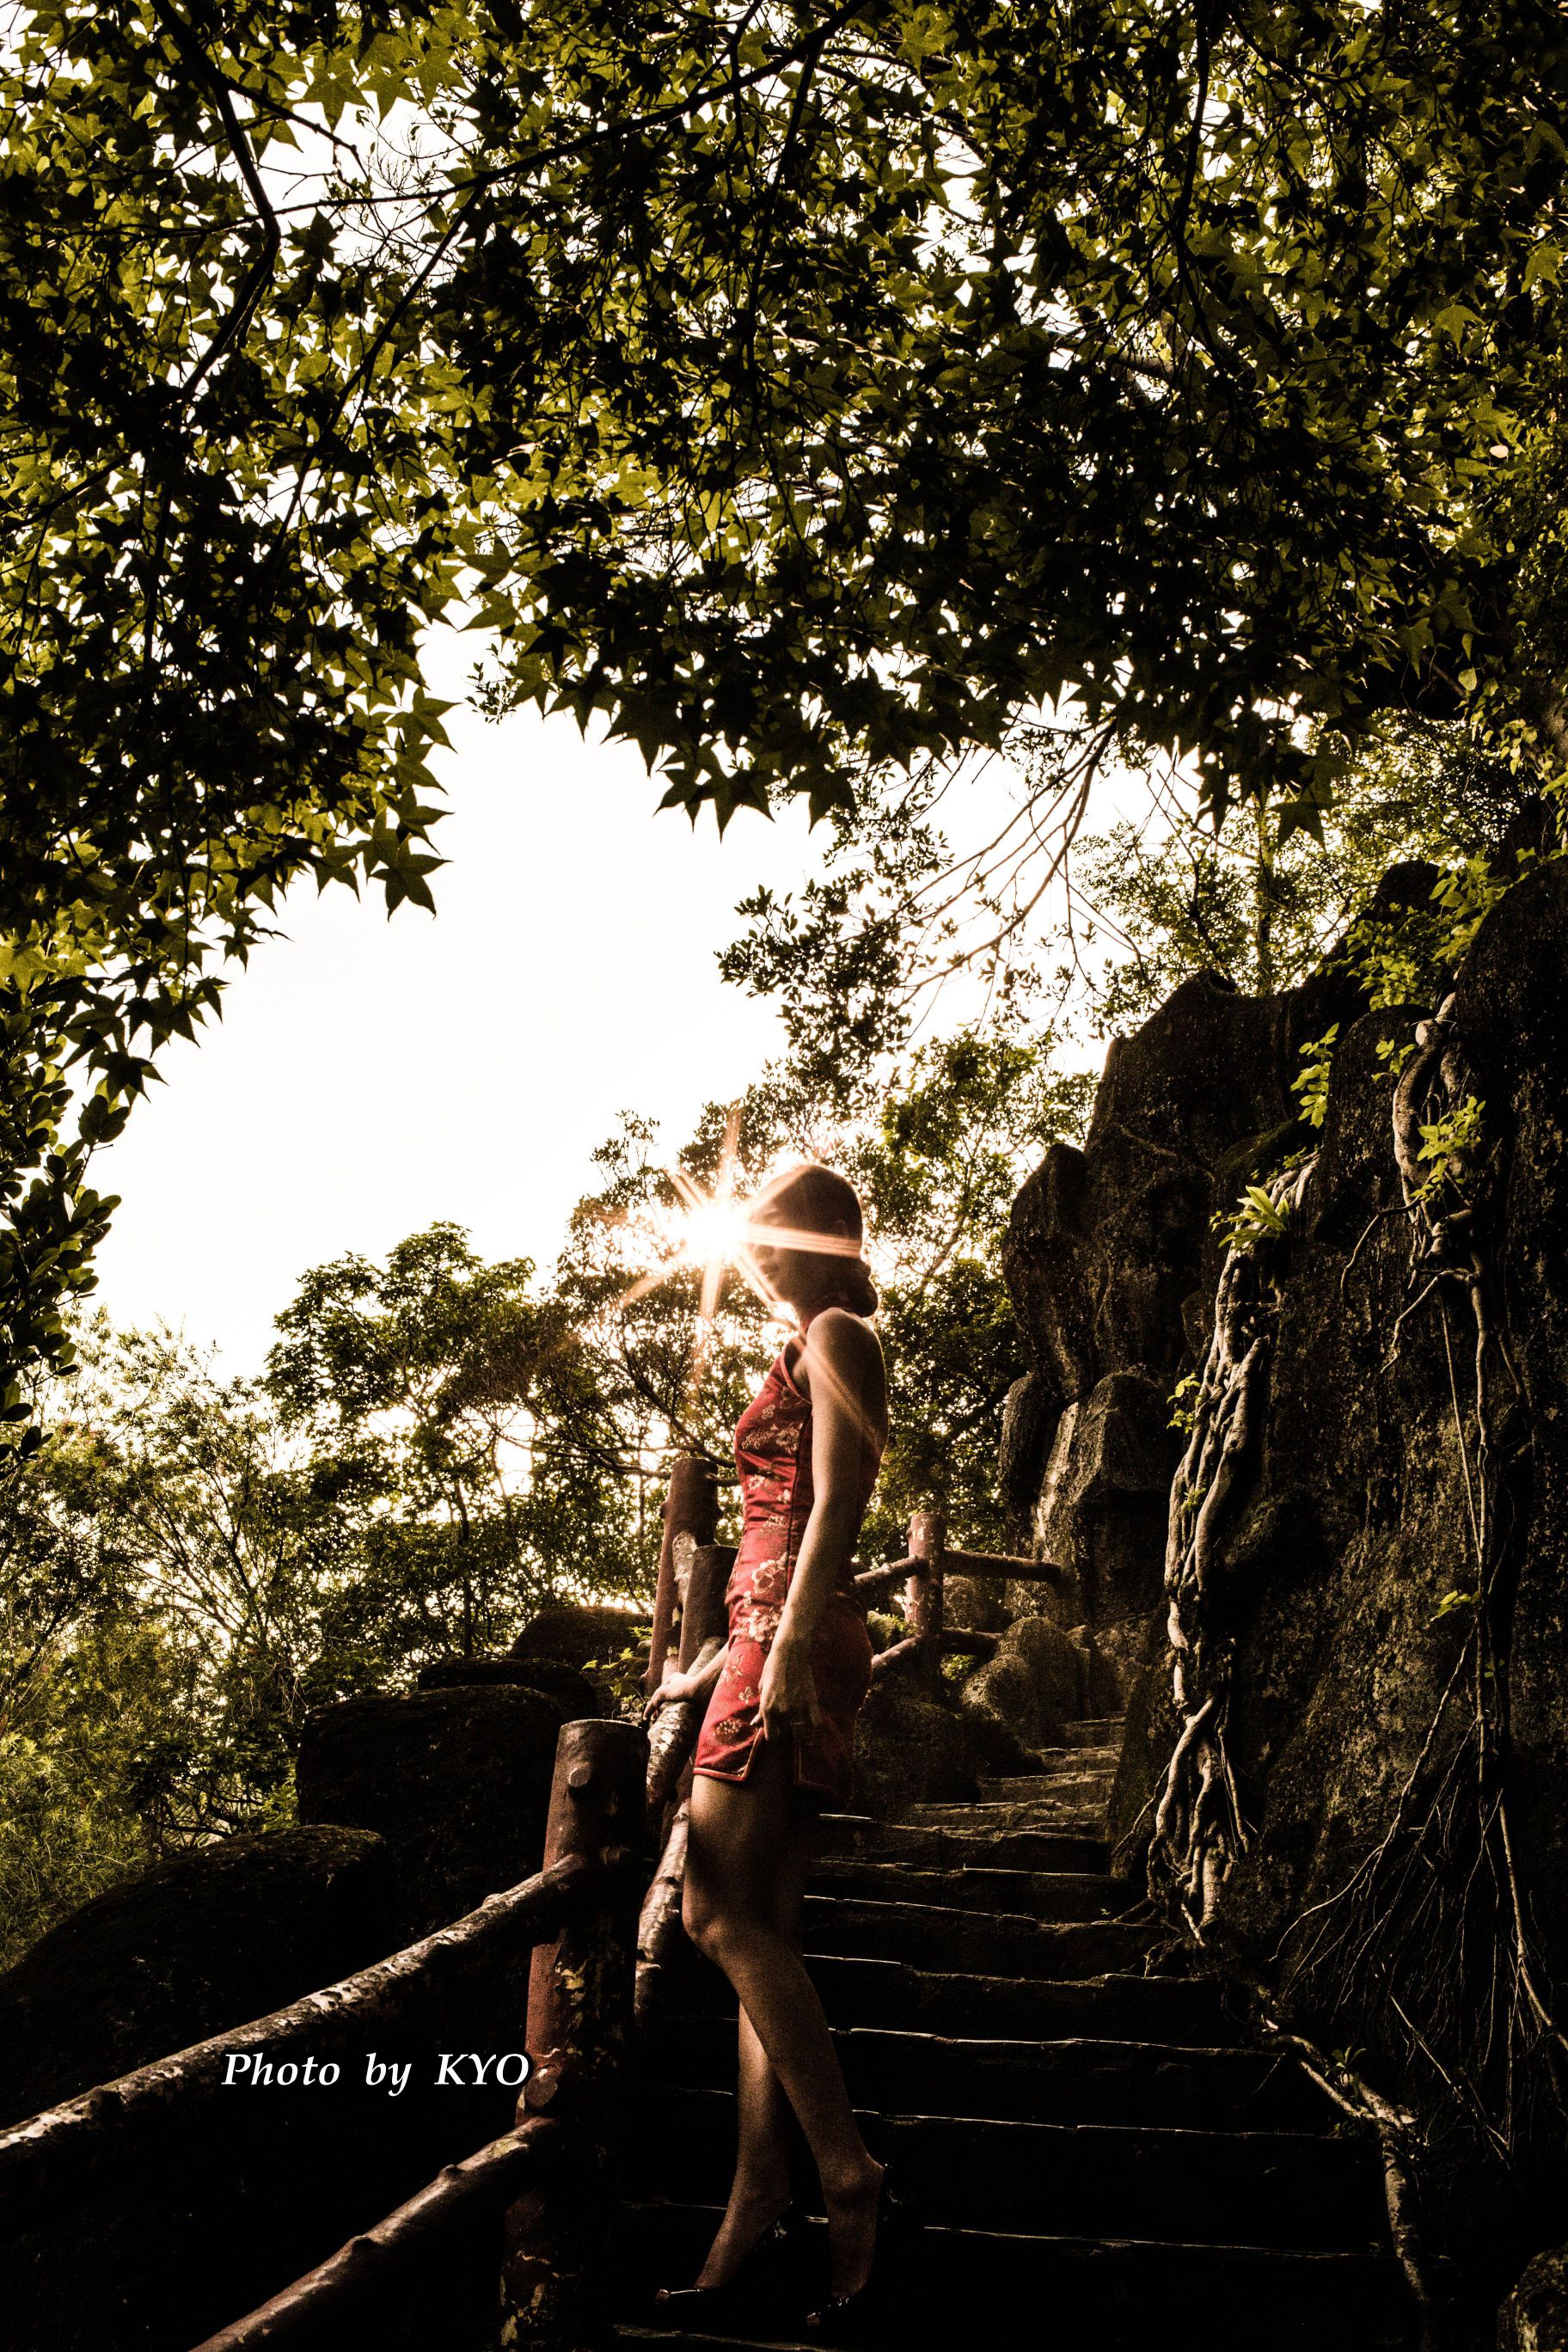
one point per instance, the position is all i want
(692, 1682)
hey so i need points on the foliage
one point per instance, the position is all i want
(811, 393)
(1184, 1402)
(223, 531)
(1311, 1086)
(69, 1825)
(188, 1564)
(432, 1399)
(914, 365)
(1257, 1217)
(160, 1563)
(1448, 1143)
(1263, 906)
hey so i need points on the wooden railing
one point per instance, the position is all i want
(545, 2177)
(924, 1575)
(597, 1932)
(571, 1928)
(688, 1562)
(703, 1627)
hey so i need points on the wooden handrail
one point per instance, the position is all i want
(325, 2298)
(671, 1749)
(661, 1918)
(691, 1512)
(931, 1560)
(997, 1563)
(39, 2156)
(896, 1654)
(578, 2014)
(868, 1579)
(670, 1746)
(962, 1563)
(703, 1624)
(580, 2028)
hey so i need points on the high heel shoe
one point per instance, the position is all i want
(692, 2306)
(843, 2318)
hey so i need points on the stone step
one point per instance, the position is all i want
(1073, 1816)
(1097, 1731)
(1034, 1894)
(1025, 2081)
(1181, 2012)
(858, 1835)
(1067, 1763)
(937, 1935)
(1049, 1788)
(1119, 2295)
(1296, 2190)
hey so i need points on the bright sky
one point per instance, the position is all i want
(369, 1075)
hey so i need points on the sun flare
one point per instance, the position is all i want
(708, 1232)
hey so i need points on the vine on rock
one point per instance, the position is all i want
(1450, 1839)
(1199, 1829)
(1431, 1930)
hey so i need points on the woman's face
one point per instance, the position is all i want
(774, 1261)
(787, 1263)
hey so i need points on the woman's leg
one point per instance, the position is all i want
(747, 1852)
(760, 2189)
(762, 2168)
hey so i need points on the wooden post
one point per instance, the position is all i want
(922, 1593)
(690, 1510)
(580, 2024)
(659, 1927)
(703, 1617)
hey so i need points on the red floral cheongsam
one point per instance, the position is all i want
(772, 1454)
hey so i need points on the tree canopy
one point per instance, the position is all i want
(1197, 363)
(808, 391)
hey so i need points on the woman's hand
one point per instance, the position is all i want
(671, 1691)
(787, 1698)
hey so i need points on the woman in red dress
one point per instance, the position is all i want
(778, 1737)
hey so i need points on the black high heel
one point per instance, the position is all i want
(692, 2306)
(843, 2317)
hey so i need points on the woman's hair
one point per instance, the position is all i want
(812, 1199)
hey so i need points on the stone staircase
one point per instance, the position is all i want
(1086, 2144)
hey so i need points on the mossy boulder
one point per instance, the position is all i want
(228, 1932)
(1036, 1683)
(910, 1748)
(578, 1632)
(569, 1687)
(456, 1780)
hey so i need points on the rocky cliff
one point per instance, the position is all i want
(1347, 1760)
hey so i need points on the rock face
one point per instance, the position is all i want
(1102, 1511)
(1373, 1880)
(225, 1933)
(456, 1780)
(1105, 1257)
(1535, 2317)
